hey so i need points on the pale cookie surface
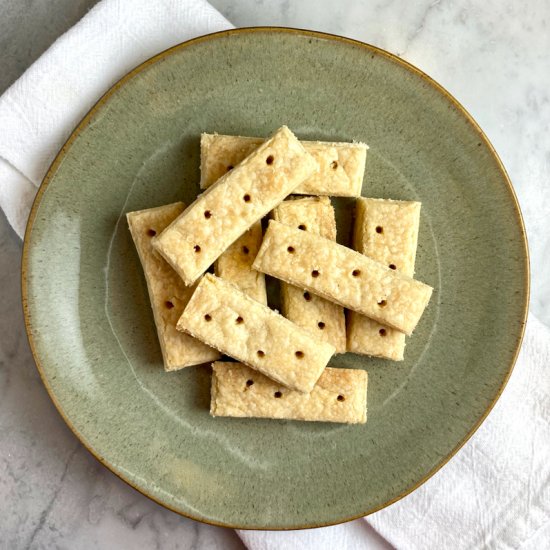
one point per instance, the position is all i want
(343, 276)
(324, 319)
(369, 337)
(340, 395)
(235, 264)
(167, 292)
(386, 231)
(239, 199)
(341, 165)
(224, 317)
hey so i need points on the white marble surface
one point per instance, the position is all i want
(492, 55)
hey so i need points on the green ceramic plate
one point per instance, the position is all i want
(87, 310)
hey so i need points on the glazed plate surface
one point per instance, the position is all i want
(89, 320)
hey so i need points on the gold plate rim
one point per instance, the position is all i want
(86, 121)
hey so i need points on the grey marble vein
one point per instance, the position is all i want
(419, 27)
(47, 509)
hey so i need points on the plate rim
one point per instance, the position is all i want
(83, 124)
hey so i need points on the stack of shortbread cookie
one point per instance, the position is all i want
(282, 370)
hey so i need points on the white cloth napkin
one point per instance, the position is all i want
(494, 494)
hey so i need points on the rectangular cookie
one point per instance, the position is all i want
(235, 264)
(340, 395)
(343, 276)
(225, 318)
(239, 199)
(386, 231)
(324, 319)
(341, 165)
(167, 292)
